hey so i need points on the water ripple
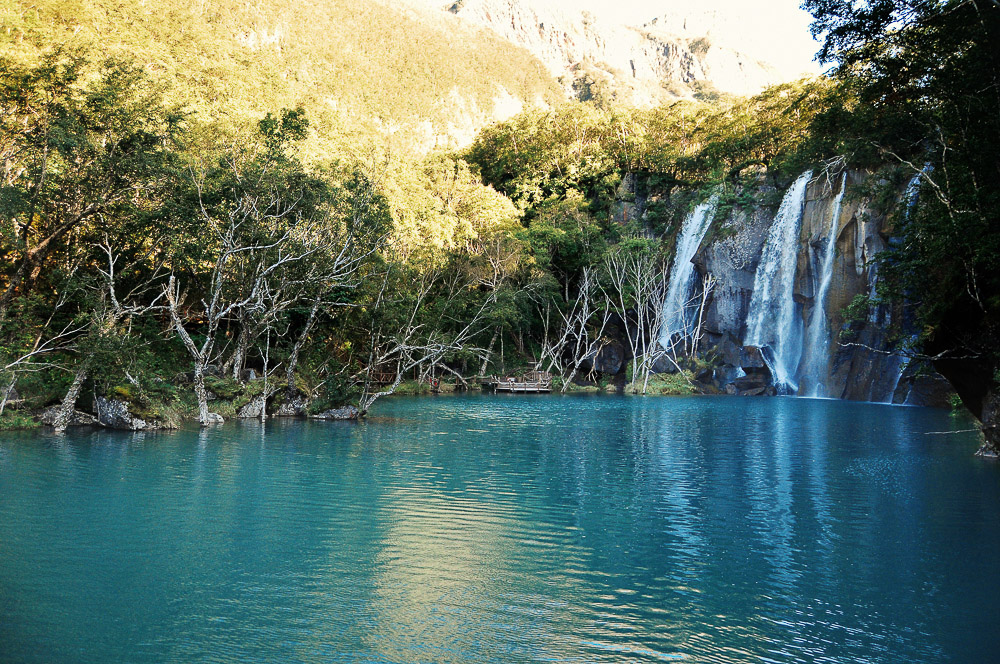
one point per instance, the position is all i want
(482, 529)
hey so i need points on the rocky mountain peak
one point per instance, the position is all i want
(673, 55)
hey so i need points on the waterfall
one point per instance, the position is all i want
(816, 365)
(898, 366)
(898, 362)
(913, 188)
(678, 312)
(772, 321)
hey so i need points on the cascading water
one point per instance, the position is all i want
(678, 312)
(913, 187)
(897, 363)
(772, 320)
(816, 363)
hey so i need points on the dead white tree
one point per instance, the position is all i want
(707, 286)
(655, 350)
(685, 341)
(419, 342)
(336, 268)
(110, 310)
(579, 331)
(636, 292)
(341, 237)
(31, 359)
(251, 247)
(28, 360)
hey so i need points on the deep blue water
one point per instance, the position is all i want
(523, 529)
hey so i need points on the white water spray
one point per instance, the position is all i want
(772, 321)
(816, 364)
(897, 363)
(678, 312)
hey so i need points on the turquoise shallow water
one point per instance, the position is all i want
(523, 529)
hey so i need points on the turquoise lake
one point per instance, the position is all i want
(520, 529)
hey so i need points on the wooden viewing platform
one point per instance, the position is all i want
(533, 382)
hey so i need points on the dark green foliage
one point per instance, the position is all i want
(14, 421)
(78, 150)
(564, 238)
(854, 315)
(337, 390)
(539, 156)
(103, 177)
(922, 84)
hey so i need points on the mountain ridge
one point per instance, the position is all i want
(408, 75)
(637, 65)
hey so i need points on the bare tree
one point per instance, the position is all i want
(419, 341)
(29, 359)
(707, 287)
(110, 310)
(637, 285)
(253, 245)
(33, 358)
(579, 332)
(340, 269)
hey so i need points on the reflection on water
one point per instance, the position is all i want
(492, 529)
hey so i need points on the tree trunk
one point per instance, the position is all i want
(368, 399)
(567, 381)
(486, 357)
(990, 420)
(240, 354)
(457, 375)
(293, 359)
(200, 356)
(201, 392)
(68, 405)
(6, 393)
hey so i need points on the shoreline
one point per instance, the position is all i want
(20, 421)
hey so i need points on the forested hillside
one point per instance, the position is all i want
(200, 225)
(367, 72)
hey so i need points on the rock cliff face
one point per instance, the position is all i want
(864, 347)
(646, 63)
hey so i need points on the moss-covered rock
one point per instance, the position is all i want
(119, 414)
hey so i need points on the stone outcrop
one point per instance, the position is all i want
(254, 409)
(294, 406)
(733, 262)
(117, 414)
(77, 419)
(920, 385)
(344, 413)
(990, 417)
(610, 359)
(646, 63)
